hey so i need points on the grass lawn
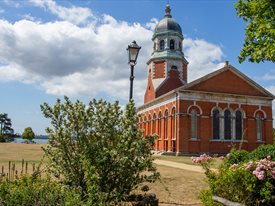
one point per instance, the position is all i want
(177, 186)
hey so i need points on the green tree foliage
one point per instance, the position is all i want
(259, 43)
(30, 191)
(6, 131)
(5, 125)
(28, 134)
(98, 148)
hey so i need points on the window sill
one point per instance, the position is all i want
(260, 141)
(227, 140)
(194, 140)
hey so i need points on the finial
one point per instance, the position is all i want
(226, 63)
(168, 11)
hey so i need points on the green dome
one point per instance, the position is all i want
(168, 23)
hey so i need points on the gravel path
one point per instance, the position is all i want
(178, 165)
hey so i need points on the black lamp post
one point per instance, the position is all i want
(133, 50)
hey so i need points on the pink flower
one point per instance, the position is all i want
(201, 159)
(234, 166)
(221, 157)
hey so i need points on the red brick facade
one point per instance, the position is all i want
(170, 116)
(212, 114)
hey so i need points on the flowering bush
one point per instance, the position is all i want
(250, 183)
(202, 158)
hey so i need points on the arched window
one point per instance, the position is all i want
(172, 44)
(159, 126)
(216, 124)
(180, 46)
(227, 124)
(193, 124)
(154, 124)
(239, 125)
(161, 45)
(145, 127)
(259, 127)
(166, 124)
(149, 125)
(173, 128)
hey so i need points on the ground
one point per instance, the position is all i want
(177, 186)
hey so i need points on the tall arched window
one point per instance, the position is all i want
(166, 124)
(159, 126)
(239, 125)
(180, 46)
(149, 125)
(259, 127)
(173, 128)
(172, 44)
(154, 124)
(161, 45)
(145, 127)
(216, 124)
(227, 125)
(193, 124)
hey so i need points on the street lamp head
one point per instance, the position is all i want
(133, 50)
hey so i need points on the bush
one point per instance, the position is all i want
(262, 152)
(98, 148)
(250, 183)
(236, 156)
(29, 191)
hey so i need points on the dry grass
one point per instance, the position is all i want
(185, 160)
(31, 153)
(16, 152)
(183, 186)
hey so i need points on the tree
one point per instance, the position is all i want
(98, 148)
(6, 131)
(259, 43)
(28, 134)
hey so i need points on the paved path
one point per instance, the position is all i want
(178, 165)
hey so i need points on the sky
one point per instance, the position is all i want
(77, 48)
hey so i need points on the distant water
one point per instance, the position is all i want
(38, 141)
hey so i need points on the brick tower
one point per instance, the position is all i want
(167, 67)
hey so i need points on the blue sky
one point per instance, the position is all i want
(49, 49)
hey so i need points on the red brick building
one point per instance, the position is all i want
(208, 115)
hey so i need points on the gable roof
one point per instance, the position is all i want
(240, 83)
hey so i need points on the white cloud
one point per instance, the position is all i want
(268, 77)
(12, 3)
(76, 15)
(29, 17)
(204, 57)
(152, 24)
(63, 58)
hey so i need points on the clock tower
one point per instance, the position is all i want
(167, 66)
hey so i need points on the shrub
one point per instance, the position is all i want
(236, 156)
(98, 148)
(249, 183)
(29, 191)
(262, 152)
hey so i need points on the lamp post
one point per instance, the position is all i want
(133, 50)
